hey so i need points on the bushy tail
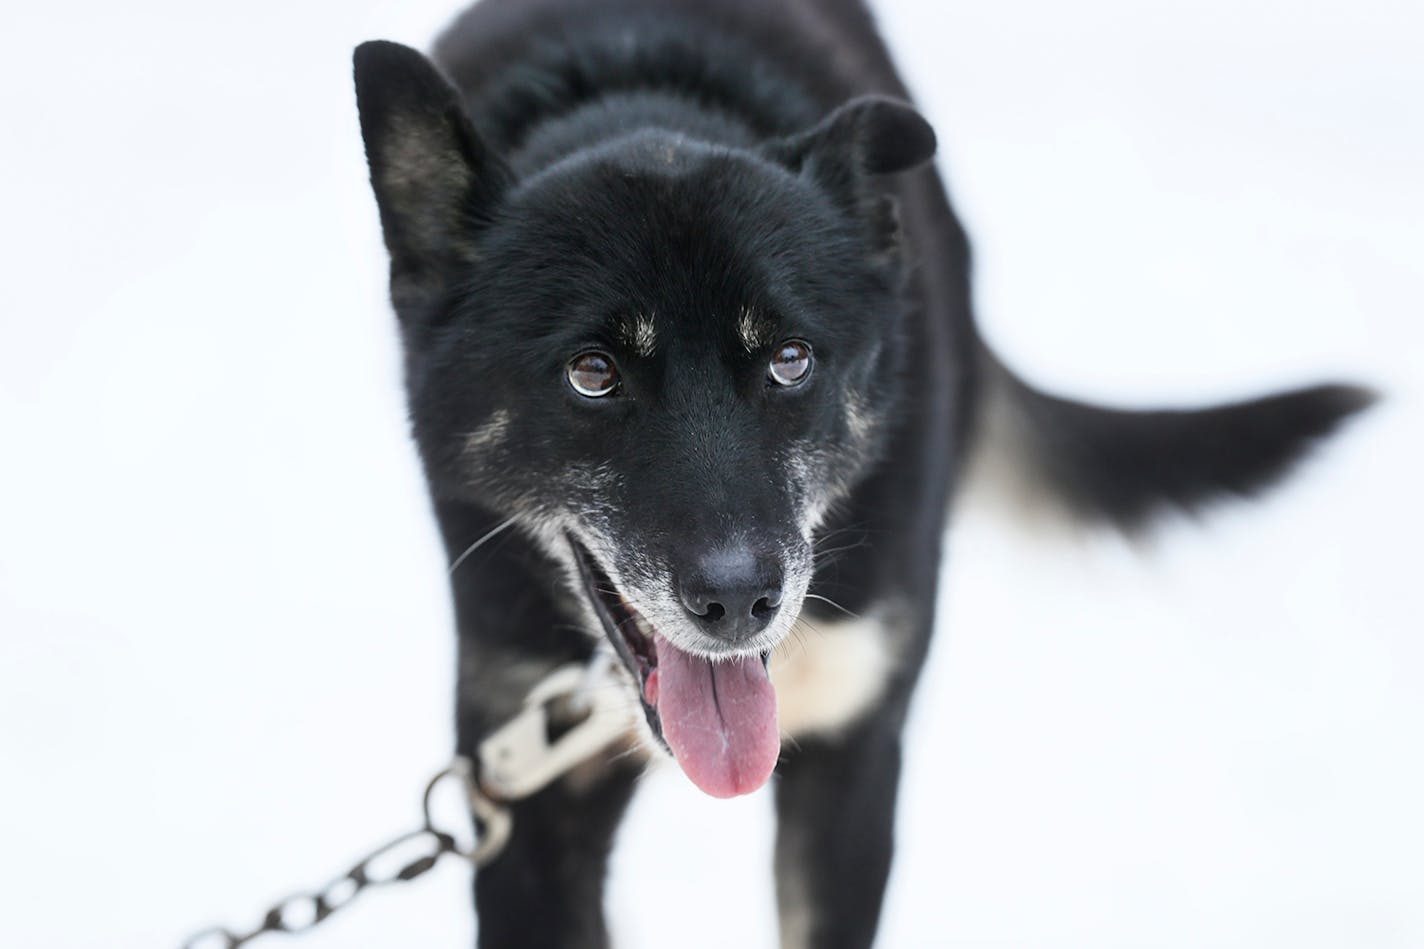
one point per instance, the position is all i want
(1125, 466)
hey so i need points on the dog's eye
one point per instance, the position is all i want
(791, 363)
(593, 374)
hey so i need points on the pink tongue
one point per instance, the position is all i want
(719, 719)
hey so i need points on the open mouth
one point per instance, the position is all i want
(716, 716)
(630, 634)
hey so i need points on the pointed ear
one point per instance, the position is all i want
(436, 181)
(869, 135)
(864, 138)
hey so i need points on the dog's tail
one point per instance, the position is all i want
(1124, 467)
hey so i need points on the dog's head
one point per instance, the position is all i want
(664, 358)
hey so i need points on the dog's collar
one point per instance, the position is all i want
(519, 758)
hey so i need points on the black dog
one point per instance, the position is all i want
(684, 307)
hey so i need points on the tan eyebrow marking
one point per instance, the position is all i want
(752, 330)
(638, 333)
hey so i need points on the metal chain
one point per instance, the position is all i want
(398, 861)
(516, 760)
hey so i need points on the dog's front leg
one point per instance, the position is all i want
(545, 890)
(835, 805)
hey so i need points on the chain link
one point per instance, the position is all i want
(519, 759)
(399, 860)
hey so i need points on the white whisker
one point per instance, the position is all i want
(828, 600)
(498, 529)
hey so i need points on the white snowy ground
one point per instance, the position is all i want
(225, 655)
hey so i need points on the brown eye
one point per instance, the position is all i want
(790, 363)
(593, 374)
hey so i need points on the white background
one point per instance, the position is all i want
(225, 648)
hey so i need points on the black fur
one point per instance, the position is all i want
(1127, 466)
(729, 174)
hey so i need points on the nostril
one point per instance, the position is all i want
(765, 606)
(714, 612)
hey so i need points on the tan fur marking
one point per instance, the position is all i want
(751, 331)
(793, 908)
(638, 334)
(858, 418)
(829, 675)
(491, 433)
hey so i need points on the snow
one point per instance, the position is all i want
(225, 649)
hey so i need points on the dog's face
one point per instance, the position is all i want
(671, 356)
(664, 359)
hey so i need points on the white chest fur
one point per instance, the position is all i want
(829, 673)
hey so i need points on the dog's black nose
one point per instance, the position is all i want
(732, 593)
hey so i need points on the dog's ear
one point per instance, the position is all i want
(845, 152)
(436, 182)
(869, 135)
